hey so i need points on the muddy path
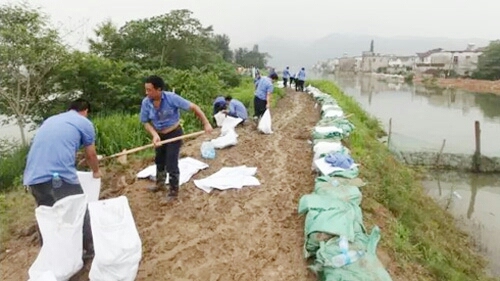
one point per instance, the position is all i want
(250, 234)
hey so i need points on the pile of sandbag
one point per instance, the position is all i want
(335, 236)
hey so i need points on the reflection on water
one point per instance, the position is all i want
(422, 118)
(474, 200)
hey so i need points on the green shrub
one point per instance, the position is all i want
(119, 131)
(13, 161)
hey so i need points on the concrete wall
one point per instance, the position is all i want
(372, 63)
(460, 162)
(462, 62)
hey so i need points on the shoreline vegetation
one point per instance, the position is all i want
(420, 237)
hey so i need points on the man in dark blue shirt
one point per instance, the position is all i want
(160, 114)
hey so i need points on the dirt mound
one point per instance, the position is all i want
(248, 234)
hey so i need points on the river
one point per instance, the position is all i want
(421, 119)
(11, 131)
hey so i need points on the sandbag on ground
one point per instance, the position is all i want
(341, 123)
(328, 182)
(117, 245)
(330, 132)
(327, 169)
(61, 227)
(329, 212)
(367, 268)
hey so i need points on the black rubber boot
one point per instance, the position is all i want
(161, 177)
(173, 181)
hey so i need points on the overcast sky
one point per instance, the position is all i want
(250, 21)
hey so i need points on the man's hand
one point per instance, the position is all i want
(267, 105)
(156, 140)
(208, 128)
(97, 174)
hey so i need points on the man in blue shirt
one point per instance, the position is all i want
(218, 105)
(236, 108)
(286, 76)
(262, 99)
(53, 150)
(160, 114)
(301, 78)
(257, 78)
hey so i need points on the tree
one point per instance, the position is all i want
(246, 58)
(221, 43)
(175, 39)
(111, 85)
(29, 54)
(488, 66)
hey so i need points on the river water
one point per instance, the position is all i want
(421, 119)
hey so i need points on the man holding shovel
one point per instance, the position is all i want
(160, 115)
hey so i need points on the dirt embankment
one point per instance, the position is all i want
(250, 234)
(472, 85)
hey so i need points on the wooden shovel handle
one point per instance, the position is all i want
(133, 150)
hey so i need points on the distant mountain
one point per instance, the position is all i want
(298, 53)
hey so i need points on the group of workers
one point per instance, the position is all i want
(264, 87)
(53, 149)
(298, 78)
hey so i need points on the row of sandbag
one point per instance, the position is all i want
(335, 238)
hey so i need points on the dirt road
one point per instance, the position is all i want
(250, 234)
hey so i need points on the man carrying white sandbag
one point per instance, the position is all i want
(236, 109)
(50, 172)
(263, 92)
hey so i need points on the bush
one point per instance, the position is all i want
(13, 161)
(119, 131)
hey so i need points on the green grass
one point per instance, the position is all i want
(420, 232)
(11, 167)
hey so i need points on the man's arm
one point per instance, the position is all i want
(269, 90)
(268, 98)
(91, 158)
(151, 130)
(199, 113)
(88, 141)
(184, 104)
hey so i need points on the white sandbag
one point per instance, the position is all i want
(229, 139)
(46, 276)
(327, 129)
(219, 118)
(229, 124)
(91, 186)
(61, 227)
(327, 107)
(318, 94)
(188, 166)
(117, 245)
(265, 123)
(323, 147)
(333, 113)
(229, 177)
